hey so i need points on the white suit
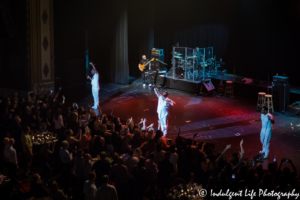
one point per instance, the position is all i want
(95, 89)
(265, 133)
(163, 110)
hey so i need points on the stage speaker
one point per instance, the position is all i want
(281, 96)
(156, 64)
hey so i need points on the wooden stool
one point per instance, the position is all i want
(269, 102)
(261, 99)
(229, 88)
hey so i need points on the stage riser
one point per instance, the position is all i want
(185, 86)
(242, 90)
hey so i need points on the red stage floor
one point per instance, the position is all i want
(219, 120)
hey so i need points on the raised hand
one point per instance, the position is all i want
(151, 125)
(241, 143)
(269, 117)
(228, 146)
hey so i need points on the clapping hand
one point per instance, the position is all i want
(88, 77)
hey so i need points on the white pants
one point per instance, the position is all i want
(163, 118)
(265, 137)
(95, 92)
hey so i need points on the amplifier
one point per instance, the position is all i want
(281, 96)
(157, 52)
(281, 79)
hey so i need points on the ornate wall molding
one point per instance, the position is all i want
(43, 88)
(45, 41)
(45, 16)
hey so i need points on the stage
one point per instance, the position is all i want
(241, 88)
(219, 120)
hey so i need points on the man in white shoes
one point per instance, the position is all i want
(163, 109)
(145, 66)
(266, 130)
(95, 85)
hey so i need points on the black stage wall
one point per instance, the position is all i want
(256, 38)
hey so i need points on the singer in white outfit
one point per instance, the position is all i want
(266, 130)
(163, 109)
(95, 85)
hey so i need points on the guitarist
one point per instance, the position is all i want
(145, 77)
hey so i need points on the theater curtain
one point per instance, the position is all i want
(119, 54)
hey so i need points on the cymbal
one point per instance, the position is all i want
(177, 57)
(176, 53)
(191, 57)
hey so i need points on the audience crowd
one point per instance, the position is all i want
(102, 157)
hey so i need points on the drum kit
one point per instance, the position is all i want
(192, 67)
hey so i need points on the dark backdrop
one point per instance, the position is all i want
(257, 38)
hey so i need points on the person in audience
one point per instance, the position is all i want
(160, 141)
(79, 169)
(45, 152)
(27, 148)
(90, 188)
(136, 140)
(151, 169)
(131, 161)
(140, 179)
(17, 133)
(10, 156)
(120, 175)
(86, 138)
(66, 159)
(174, 158)
(106, 191)
(87, 165)
(55, 193)
(37, 188)
(160, 154)
(138, 153)
(101, 167)
(58, 121)
(164, 176)
(72, 140)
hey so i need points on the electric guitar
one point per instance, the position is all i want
(142, 67)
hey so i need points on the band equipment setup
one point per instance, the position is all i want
(198, 71)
